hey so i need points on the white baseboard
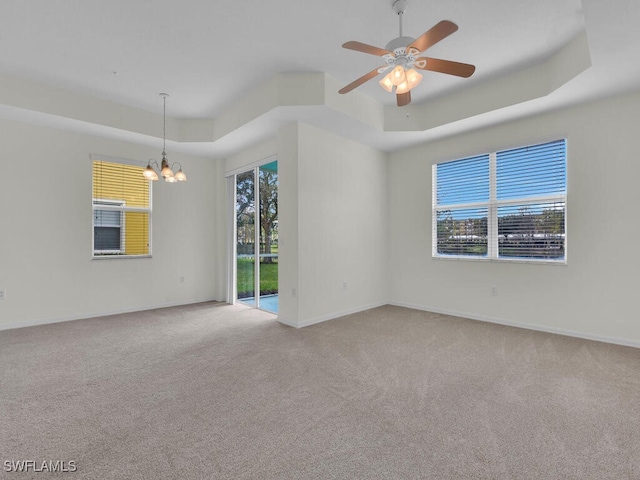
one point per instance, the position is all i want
(331, 316)
(527, 326)
(324, 318)
(287, 321)
(47, 321)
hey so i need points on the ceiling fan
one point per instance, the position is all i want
(401, 56)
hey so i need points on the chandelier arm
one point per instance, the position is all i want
(152, 161)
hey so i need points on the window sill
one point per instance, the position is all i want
(119, 257)
(500, 260)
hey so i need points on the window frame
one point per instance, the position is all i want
(492, 205)
(99, 204)
(123, 208)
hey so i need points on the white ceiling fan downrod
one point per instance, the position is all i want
(399, 45)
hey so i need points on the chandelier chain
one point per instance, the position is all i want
(166, 169)
(164, 123)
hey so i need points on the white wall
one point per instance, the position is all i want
(46, 235)
(342, 229)
(348, 213)
(262, 152)
(332, 222)
(288, 265)
(594, 295)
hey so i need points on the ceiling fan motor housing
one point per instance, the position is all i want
(400, 55)
(399, 43)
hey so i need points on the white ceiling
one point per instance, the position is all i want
(207, 54)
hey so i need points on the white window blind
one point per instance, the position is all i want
(509, 204)
(121, 210)
(108, 228)
(462, 198)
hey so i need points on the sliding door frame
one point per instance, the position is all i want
(232, 251)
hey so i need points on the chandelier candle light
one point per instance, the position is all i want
(165, 170)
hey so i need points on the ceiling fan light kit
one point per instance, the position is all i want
(401, 56)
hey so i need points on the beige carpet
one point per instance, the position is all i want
(213, 391)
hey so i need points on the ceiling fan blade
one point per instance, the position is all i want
(356, 83)
(445, 66)
(403, 98)
(432, 36)
(363, 47)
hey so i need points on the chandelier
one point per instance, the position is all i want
(165, 170)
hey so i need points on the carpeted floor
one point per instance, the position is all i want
(213, 391)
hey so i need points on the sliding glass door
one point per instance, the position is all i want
(268, 236)
(245, 237)
(256, 232)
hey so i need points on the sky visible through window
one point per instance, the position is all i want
(508, 204)
(463, 181)
(521, 173)
(531, 171)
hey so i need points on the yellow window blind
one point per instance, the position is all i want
(121, 210)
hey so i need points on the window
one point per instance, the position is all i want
(503, 205)
(121, 210)
(108, 228)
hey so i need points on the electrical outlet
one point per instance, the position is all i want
(344, 286)
(293, 292)
(3, 294)
(181, 279)
(494, 291)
